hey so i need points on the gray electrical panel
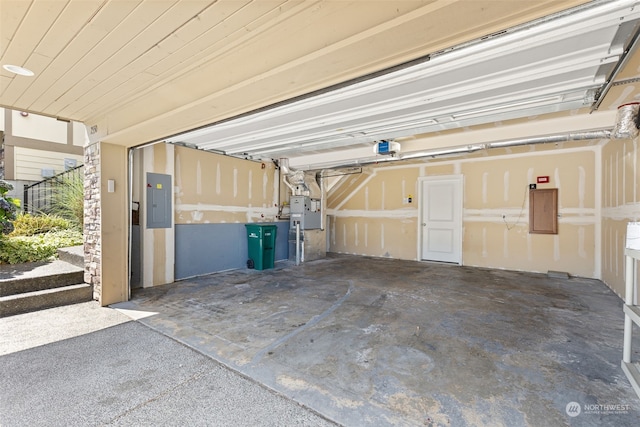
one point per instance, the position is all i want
(158, 200)
(307, 211)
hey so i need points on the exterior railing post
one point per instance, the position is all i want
(37, 197)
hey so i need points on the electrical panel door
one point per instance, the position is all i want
(159, 204)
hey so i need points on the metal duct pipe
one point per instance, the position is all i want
(576, 136)
(626, 121)
(579, 136)
(286, 182)
(323, 198)
(284, 167)
(299, 181)
(311, 184)
(444, 152)
(297, 242)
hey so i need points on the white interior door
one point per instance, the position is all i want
(441, 219)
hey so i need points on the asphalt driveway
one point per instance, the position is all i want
(84, 365)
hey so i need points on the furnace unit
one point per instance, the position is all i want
(307, 237)
(307, 211)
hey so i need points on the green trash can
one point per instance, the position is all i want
(261, 242)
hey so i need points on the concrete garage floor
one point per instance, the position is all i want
(376, 342)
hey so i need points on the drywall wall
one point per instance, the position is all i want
(371, 218)
(211, 188)
(157, 244)
(213, 197)
(375, 217)
(620, 204)
(499, 187)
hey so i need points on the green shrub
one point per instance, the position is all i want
(39, 247)
(68, 200)
(8, 208)
(28, 225)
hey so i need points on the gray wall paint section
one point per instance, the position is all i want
(207, 248)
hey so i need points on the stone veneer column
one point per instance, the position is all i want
(92, 218)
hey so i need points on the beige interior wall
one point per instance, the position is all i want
(212, 188)
(157, 244)
(620, 204)
(499, 186)
(114, 224)
(374, 217)
(369, 214)
(207, 188)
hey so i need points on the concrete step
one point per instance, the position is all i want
(54, 275)
(39, 300)
(74, 255)
(38, 285)
(32, 284)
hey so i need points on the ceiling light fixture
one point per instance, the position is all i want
(16, 69)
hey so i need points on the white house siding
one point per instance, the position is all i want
(29, 163)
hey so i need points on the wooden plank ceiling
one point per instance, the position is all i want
(136, 71)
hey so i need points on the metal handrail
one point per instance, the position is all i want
(37, 197)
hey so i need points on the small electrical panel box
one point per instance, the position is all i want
(306, 211)
(158, 200)
(543, 211)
